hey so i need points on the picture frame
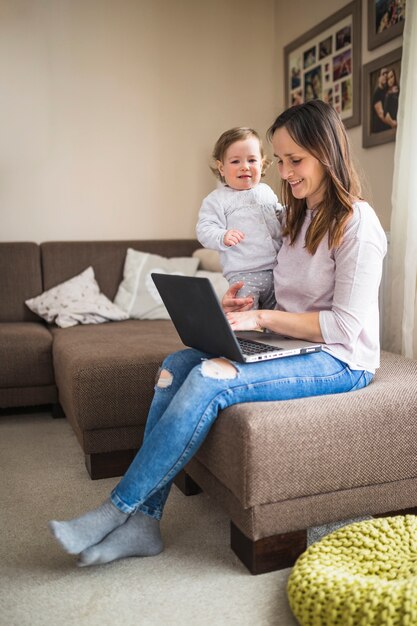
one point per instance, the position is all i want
(325, 63)
(385, 21)
(380, 93)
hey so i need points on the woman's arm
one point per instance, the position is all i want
(388, 120)
(357, 272)
(241, 317)
(297, 325)
(390, 108)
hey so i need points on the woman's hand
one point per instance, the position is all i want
(231, 302)
(248, 320)
(297, 325)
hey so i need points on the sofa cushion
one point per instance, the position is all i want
(275, 451)
(209, 259)
(20, 279)
(106, 374)
(63, 259)
(76, 301)
(137, 294)
(25, 355)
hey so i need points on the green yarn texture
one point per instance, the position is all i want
(364, 574)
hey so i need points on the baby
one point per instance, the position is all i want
(241, 219)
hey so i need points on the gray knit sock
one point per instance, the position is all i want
(140, 536)
(82, 532)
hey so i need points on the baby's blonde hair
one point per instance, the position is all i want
(229, 137)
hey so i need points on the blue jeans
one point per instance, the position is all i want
(182, 413)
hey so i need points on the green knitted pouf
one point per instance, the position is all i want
(364, 574)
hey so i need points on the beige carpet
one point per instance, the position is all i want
(196, 581)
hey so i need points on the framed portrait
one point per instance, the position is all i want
(385, 21)
(325, 63)
(381, 80)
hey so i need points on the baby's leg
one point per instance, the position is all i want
(250, 287)
(267, 298)
(259, 285)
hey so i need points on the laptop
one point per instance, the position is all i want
(201, 323)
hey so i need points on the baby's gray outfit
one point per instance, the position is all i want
(255, 212)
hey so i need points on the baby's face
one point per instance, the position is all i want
(242, 164)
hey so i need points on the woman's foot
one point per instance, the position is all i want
(82, 532)
(140, 536)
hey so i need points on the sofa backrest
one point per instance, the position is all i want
(20, 279)
(62, 260)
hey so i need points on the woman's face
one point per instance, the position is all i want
(303, 172)
(391, 79)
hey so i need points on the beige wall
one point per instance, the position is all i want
(374, 164)
(110, 108)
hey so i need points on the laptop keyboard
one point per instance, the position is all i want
(255, 347)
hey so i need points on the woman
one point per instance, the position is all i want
(326, 280)
(391, 99)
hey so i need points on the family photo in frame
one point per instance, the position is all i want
(325, 63)
(385, 21)
(381, 91)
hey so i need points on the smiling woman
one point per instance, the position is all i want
(326, 279)
(303, 172)
(316, 171)
(331, 240)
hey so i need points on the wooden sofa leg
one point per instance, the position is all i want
(108, 464)
(270, 553)
(185, 483)
(278, 551)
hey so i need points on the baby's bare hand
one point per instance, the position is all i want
(233, 237)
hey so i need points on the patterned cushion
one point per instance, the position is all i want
(76, 301)
(362, 574)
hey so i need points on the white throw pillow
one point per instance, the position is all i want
(218, 281)
(137, 294)
(76, 301)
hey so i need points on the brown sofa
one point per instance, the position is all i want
(26, 371)
(277, 468)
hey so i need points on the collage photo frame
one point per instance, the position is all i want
(325, 63)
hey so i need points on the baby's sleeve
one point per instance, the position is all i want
(211, 226)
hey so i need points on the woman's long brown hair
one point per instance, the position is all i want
(316, 127)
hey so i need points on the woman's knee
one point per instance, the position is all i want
(219, 368)
(164, 378)
(180, 362)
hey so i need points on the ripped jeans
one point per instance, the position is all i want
(188, 398)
